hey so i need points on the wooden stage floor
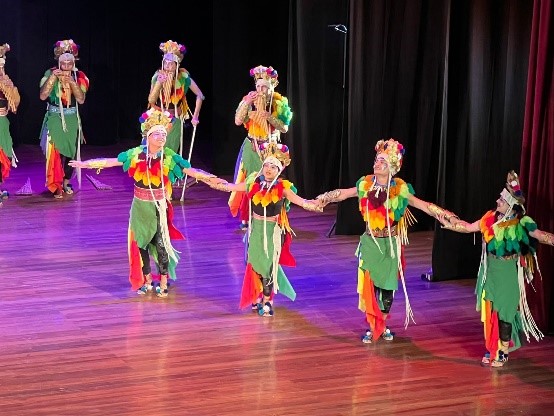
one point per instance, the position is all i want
(75, 340)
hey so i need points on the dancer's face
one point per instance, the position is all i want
(156, 140)
(270, 171)
(169, 66)
(66, 65)
(381, 165)
(501, 205)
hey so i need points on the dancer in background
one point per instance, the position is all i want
(9, 101)
(168, 90)
(64, 88)
(264, 114)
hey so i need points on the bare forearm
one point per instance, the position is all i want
(336, 195)
(301, 202)
(543, 237)
(103, 163)
(228, 187)
(199, 99)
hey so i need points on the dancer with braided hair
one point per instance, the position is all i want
(153, 169)
(508, 259)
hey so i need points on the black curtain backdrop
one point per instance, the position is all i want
(487, 75)
(396, 71)
(316, 69)
(245, 35)
(118, 52)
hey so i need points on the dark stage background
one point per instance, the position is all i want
(449, 79)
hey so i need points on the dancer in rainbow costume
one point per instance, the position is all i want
(508, 259)
(153, 170)
(383, 202)
(264, 114)
(269, 232)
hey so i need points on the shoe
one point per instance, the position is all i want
(266, 310)
(243, 226)
(58, 194)
(502, 359)
(387, 335)
(4, 194)
(161, 292)
(145, 288)
(367, 338)
(486, 360)
(68, 189)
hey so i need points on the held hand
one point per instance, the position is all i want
(320, 201)
(3, 112)
(312, 205)
(194, 121)
(456, 225)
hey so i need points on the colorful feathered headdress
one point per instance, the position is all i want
(512, 192)
(267, 74)
(394, 152)
(67, 46)
(173, 51)
(3, 49)
(155, 120)
(276, 153)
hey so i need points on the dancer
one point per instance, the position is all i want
(64, 88)
(265, 114)
(269, 234)
(9, 101)
(508, 259)
(168, 91)
(383, 203)
(153, 169)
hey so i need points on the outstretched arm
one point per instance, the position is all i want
(311, 205)
(98, 164)
(213, 181)
(432, 210)
(543, 237)
(461, 226)
(336, 195)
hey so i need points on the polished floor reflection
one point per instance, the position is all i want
(75, 340)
